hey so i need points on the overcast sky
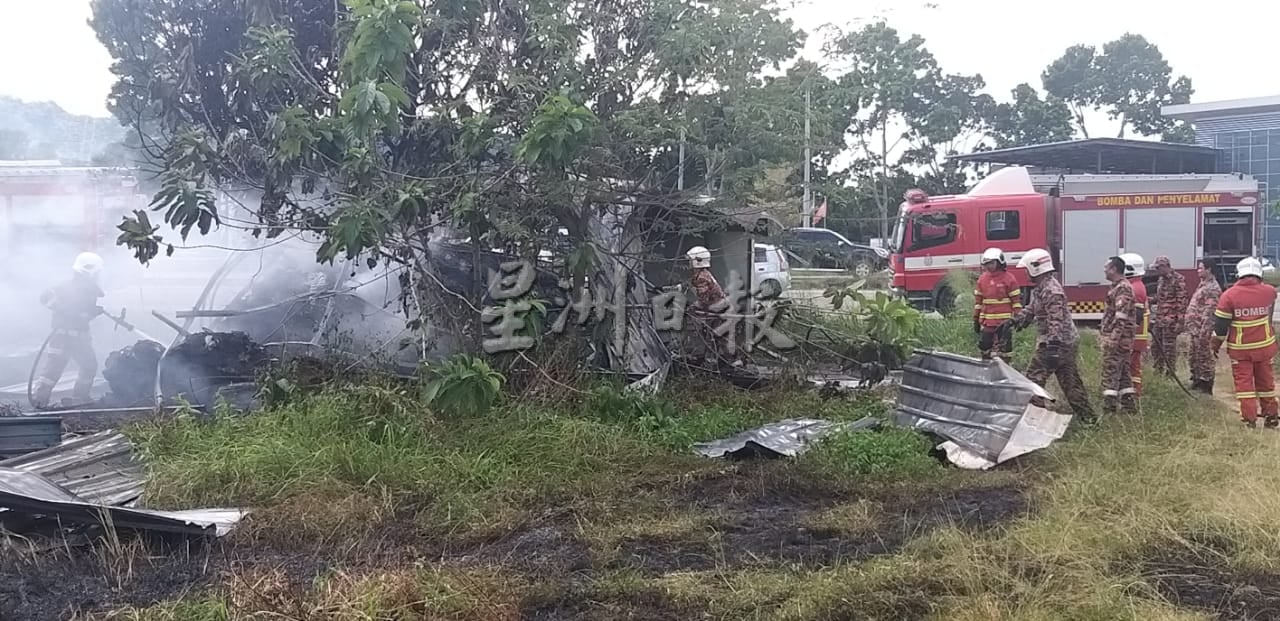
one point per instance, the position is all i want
(1227, 47)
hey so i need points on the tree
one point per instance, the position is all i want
(1130, 80)
(369, 123)
(49, 132)
(1074, 79)
(908, 113)
(1028, 119)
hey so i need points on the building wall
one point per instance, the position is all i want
(730, 253)
(1251, 145)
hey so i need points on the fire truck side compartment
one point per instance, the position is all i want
(1089, 237)
(1168, 231)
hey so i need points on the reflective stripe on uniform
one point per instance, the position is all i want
(1239, 346)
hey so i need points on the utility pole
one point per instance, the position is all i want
(680, 179)
(808, 194)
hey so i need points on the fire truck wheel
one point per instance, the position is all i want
(944, 301)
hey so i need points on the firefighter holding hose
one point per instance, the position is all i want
(74, 304)
(1170, 303)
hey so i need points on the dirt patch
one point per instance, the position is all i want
(1198, 576)
(541, 552)
(757, 518)
(758, 528)
(65, 580)
(581, 605)
(58, 584)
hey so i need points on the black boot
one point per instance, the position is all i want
(1129, 403)
(1273, 422)
(1208, 387)
(1110, 404)
(1252, 424)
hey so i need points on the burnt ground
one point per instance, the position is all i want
(754, 527)
(1196, 574)
(771, 527)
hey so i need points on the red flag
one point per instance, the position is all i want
(820, 213)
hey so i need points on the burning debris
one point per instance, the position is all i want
(131, 373)
(204, 362)
(195, 369)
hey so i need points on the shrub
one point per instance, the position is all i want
(463, 384)
(885, 328)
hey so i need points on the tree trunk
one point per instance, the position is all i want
(634, 347)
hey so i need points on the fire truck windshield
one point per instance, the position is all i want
(895, 241)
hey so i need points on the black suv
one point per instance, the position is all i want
(827, 249)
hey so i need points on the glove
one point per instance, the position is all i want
(977, 326)
(1052, 356)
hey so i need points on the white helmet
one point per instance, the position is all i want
(87, 263)
(1249, 266)
(993, 254)
(699, 257)
(1036, 261)
(1134, 266)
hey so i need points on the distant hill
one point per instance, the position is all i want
(46, 131)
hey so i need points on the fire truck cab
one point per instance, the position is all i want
(1081, 220)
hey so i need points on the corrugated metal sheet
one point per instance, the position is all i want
(975, 403)
(20, 435)
(31, 494)
(99, 468)
(88, 480)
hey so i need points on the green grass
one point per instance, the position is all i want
(335, 468)
(470, 472)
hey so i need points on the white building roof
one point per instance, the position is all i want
(1220, 109)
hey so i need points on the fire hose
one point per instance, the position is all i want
(119, 321)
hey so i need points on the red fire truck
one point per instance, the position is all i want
(1081, 220)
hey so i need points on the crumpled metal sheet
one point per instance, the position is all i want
(31, 494)
(983, 408)
(98, 468)
(787, 438)
(20, 435)
(1037, 429)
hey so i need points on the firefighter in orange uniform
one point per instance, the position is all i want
(1243, 321)
(996, 300)
(1134, 269)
